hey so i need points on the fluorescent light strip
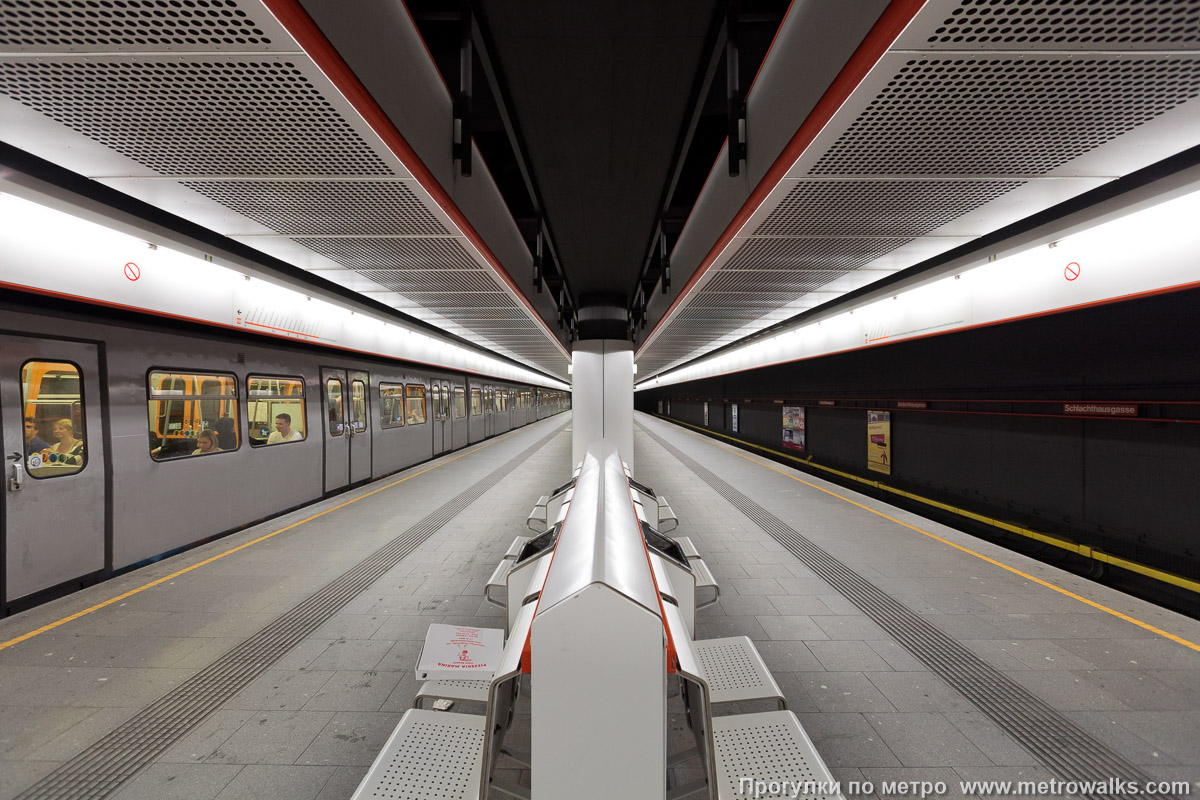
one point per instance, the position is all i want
(51, 251)
(1149, 250)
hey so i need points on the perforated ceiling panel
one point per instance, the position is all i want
(215, 25)
(876, 207)
(1052, 110)
(1125, 24)
(393, 253)
(219, 116)
(342, 208)
(981, 113)
(210, 109)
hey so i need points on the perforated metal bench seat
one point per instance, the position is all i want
(736, 672)
(429, 755)
(460, 690)
(770, 746)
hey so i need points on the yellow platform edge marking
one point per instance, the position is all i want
(1080, 549)
(51, 626)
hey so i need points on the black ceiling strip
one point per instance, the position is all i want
(702, 82)
(485, 47)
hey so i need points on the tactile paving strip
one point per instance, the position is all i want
(1064, 748)
(102, 768)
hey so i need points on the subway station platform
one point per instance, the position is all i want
(275, 662)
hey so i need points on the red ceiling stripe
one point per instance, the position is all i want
(886, 30)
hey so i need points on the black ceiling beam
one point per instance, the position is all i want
(484, 47)
(462, 101)
(735, 102)
(715, 46)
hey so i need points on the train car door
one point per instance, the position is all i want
(458, 411)
(347, 428)
(441, 422)
(360, 426)
(489, 411)
(52, 516)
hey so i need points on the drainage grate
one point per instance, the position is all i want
(100, 769)
(1065, 749)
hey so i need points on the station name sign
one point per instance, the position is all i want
(1101, 409)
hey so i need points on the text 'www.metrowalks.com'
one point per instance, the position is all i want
(756, 789)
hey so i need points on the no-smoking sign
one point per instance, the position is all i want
(1072, 270)
(133, 271)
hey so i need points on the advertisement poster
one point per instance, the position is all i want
(793, 427)
(879, 441)
(706, 415)
(734, 418)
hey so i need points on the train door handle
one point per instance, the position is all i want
(16, 478)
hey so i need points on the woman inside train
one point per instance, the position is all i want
(206, 442)
(67, 447)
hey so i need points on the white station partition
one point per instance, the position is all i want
(598, 651)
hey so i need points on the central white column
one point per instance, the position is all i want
(602, 396)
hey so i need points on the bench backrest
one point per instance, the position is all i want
(525, 582)
(680, 586)
(695, 691)
(502, 695)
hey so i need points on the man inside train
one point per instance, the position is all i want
(33, 442)
(283, 430)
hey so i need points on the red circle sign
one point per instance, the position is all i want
(1072, 271)
(133, 271)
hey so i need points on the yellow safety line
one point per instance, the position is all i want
(152, 584)
(1015, 571)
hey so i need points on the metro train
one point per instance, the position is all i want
(128, 438)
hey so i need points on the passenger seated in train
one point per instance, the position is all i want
(283, 430)
(68, 449)
(224, 429)
(206, 442)
(33, 442)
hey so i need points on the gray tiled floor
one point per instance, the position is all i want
(309, 726)
(874, 711)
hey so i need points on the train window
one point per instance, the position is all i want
(53, 404)
(333, 404)
(391, 405)
(436, 391)
(414, 409)
(191, 414)
(275, 408)
(358, 406)
(476, 403)
(460, 402)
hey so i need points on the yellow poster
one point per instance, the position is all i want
(879, 441)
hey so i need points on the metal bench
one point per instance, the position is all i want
(434, 754)
(769, 746)
(732, 665)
